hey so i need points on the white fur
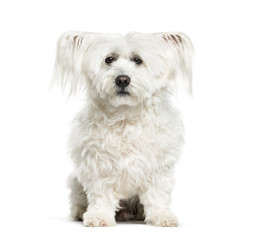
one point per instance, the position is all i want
(124, 146)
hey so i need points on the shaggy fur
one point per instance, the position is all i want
(124, 146)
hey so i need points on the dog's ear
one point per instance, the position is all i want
(180, 45)
(71, 48)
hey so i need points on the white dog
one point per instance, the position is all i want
(128, 136)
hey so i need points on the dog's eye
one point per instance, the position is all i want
(109, 60)
(137, 60)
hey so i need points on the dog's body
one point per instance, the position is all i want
(128, 137)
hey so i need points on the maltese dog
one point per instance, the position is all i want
(128, 136)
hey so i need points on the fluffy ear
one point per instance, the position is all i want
(182, 46)
(71, 48)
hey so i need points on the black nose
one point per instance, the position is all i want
(122, 81)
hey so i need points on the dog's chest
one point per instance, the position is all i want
(130, 136)
(128, 147)
(132, 142)
(128, 143)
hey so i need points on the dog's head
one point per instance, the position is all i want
(122, 70)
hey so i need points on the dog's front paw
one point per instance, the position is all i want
(97, 219)
(162, 219)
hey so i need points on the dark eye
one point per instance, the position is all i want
(109, 60)
(137, 60)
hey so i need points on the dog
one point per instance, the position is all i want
(128, 136)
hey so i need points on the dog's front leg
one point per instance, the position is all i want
(156, 201)
(101, 208)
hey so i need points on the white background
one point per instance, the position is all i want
(213, 197)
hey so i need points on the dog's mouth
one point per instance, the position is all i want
(122, 93)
